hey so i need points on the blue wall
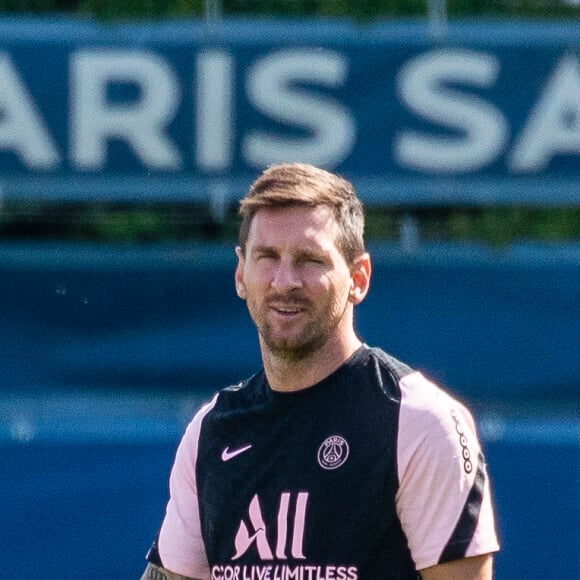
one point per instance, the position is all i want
(489, 324)
(106, 351)
(84, 485)
(84, 477)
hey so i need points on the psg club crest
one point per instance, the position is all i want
(333, 452)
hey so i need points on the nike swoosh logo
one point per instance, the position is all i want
(227, 454)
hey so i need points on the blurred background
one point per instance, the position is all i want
(129, 131)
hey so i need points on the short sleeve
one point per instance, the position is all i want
(180, 544)
(444, 501)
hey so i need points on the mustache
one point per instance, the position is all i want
(287, 300)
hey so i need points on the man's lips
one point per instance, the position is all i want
(284, 309)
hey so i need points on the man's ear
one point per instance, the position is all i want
(239, 274)
(360, 274)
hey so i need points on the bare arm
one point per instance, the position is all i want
(153, 572)
(475, 568)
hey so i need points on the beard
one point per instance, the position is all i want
(297, 347)
(296, 340)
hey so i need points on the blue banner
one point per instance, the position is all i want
(488, 114)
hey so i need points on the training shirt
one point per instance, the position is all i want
(373, 473)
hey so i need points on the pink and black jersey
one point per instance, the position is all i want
(373, 473)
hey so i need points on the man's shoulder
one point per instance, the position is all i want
(411, 386)
(246, 393)
(373, 373)
(395, 367)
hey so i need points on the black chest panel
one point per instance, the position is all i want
(302, 485)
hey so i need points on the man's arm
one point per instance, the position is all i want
(475, 568)
(153, 572)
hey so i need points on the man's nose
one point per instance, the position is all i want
(286, 276)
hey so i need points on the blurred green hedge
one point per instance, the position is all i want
(358, 9)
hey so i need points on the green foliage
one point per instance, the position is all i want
(122, 226)
(357, 9)
(500, 226)
(144, 9)
(496, 226)
(513, 8)
(108, 9)
(381, 224)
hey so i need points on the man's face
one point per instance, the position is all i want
(294, 279)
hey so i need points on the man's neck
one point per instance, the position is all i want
(286, 374)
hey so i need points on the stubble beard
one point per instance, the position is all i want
(293, 349)
(305, 342)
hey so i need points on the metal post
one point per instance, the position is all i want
(409, 236)
(437, 18)
(212, 11)
(219, 197)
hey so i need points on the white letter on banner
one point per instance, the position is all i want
(142, 123)
(554, 125)
(214, 132)
(482, 129)
(22, 128)
(273, 88)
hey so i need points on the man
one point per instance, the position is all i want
(336, 461)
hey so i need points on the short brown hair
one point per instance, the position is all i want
(300, 184)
